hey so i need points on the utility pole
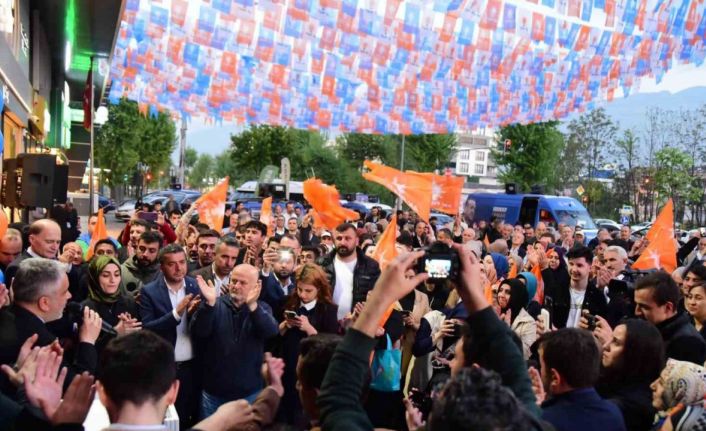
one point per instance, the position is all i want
(91, 191)
(182, 151)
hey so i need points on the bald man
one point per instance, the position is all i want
(10, 248)
(44, 241)
(233, 328)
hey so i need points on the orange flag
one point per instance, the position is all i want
(446, 192)
(386, 251)
(539, 293)
(327, 203)
(99, 233)
(664, 221)
(212, 205)
(513, 269)
(661, 252)
(266, 215)
(413, 188)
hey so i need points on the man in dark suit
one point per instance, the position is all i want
(44, 241)
(277, 278)
(41, 291)
(206, 244)
(166, 305)
(219, 271)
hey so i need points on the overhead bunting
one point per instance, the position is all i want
(392, 66)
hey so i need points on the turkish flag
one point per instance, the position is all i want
(87, 96)
(413, 188)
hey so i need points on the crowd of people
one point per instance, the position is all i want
(296, 327)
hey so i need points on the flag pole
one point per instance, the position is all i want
(91, 191)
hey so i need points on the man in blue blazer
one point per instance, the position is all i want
(166, 305)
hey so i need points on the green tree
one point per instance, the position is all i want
(357, 147)
(128, 137)
(190, 157)
(262, 145)
(627, 154)
(534, 152)
(429, 153)
(203, 170)
(225, 167)
(673, 178)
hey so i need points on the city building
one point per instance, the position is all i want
(473, 160)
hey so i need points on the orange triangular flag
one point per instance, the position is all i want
(513, 269)
(386, 251)
(539, 293)
(266, 215)
(664, 221)
(414, 189)
(661, 252)
(446, 191)
(212, 205)
(99, 233)
(327, 203)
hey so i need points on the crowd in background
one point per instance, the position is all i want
(293, 326)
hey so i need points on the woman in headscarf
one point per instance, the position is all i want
(108, 297)
(680, 384)
(556, 273)
(513, 298)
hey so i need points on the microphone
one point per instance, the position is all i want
(74, 312)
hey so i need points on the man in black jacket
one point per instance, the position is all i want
(570, 301)
(352, 274)
(656, 299)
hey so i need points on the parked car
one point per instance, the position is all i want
(442, 220)
(105, 203)
(125, 210)
(640, 226)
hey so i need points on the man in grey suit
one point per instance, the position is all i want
(219, 271)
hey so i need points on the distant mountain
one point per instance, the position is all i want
(630, 111)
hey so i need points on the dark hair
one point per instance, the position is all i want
(290, 237)
(405, 239)
(446, 231)
(150, 237)
(316, 353)
(313, 249)
(272, 239)
(698, 270)
(172, 212)
(643, 354)
(574, 354)
(105, 241)
(200, 226)
(140, 222)
(346, 226)
(137, 368)
(228, 241)
(548, 235)
(664, 288)
(208, 233)
(254, 224)
(579, 252)
(170, 249)
(475, 399)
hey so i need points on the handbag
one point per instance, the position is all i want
(386, 368)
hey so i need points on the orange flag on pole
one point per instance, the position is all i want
(327, 203)
(266, 215)
(212, 206)
(99, 232)
(386, 251)
(664, 221)
(413, 188)
(446, 191)
(539, 293)
(661, 252)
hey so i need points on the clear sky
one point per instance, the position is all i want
(207, 138)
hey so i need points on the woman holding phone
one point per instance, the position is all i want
(308, 311)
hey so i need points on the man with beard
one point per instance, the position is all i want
(570, 364)
(206, 246)
(142, 268)
(351, 273)
(219, 271)
(233, 329)
(137, 228)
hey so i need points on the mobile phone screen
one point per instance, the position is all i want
(148, 216)
(437, 268)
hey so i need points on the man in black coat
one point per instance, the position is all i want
(570, 301)
(352, 274)
(656, 299)
(40, 292)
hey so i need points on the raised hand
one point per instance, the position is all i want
(412, 415)
(183, 304)
(44, 388)
(253, 295)
(208, 290)
(91, 327)
(76, 403)
(273, 369)
(193, 305)
(25, 364)
(537, 385)
(4, 295)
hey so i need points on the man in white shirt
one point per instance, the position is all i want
(352, 273)
(166, 305)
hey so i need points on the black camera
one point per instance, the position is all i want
(439, 261)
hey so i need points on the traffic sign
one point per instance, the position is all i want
(580, 190)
